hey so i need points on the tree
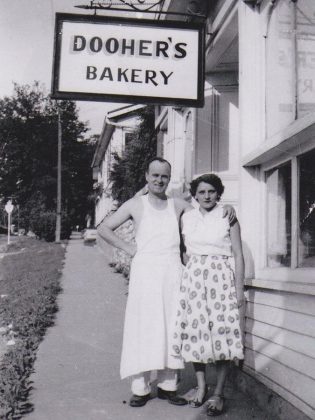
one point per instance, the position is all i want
(28, 156)
(128, 172)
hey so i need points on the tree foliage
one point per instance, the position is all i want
(128, 171)
(28, 156)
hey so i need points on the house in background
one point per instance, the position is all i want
(117, 131)
(257, 132)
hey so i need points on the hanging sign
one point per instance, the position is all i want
(100, 58)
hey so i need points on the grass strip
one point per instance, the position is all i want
(29, 286)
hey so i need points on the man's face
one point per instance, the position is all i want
(158, 177)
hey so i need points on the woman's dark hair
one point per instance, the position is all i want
(212, 179)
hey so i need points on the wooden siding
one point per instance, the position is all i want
(280, 344)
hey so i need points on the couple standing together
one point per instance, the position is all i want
(174, 315)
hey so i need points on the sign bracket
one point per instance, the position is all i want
(141, 8)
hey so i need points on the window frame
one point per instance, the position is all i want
(265, 177)
(294, 278)
(287, 144)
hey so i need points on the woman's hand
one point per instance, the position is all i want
(185, 258)
(241, 303)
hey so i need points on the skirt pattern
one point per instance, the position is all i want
(206, 324)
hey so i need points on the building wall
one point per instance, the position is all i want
(257, 130)
(280, 326)
(105, 204)
(280, 343)
(196, 141)
(217, 134)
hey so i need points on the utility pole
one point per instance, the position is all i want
(58, 218)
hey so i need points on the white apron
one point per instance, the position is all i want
(154, 283)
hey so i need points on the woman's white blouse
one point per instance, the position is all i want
(207, 234)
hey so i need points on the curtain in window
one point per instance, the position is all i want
(277, 237)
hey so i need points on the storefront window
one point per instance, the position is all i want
(291, 211)
(279, 217)
(280, 110)
(290, 63)
(305, 44)
(307, 210)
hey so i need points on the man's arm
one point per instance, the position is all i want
(107, 227)
(182, 206)
(229, 211)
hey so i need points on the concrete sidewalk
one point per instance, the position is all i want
(77, 369)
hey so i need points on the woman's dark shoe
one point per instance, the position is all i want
(195, 402)
(215, 405)
(171, 397)
(139, 400)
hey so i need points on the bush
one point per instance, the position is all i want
(128, 171)
(44, 226)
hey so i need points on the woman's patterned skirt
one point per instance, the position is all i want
(206, 324)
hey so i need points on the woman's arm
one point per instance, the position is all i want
(235, 234)
(184, 256)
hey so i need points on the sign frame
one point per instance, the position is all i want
(139, 99)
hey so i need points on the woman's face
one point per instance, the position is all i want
(206, 195)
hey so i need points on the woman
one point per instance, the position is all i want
(207, 324)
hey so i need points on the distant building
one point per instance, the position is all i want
(117, 130)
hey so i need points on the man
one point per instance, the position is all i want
(154, 280)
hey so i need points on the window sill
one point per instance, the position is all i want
(285, 280)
